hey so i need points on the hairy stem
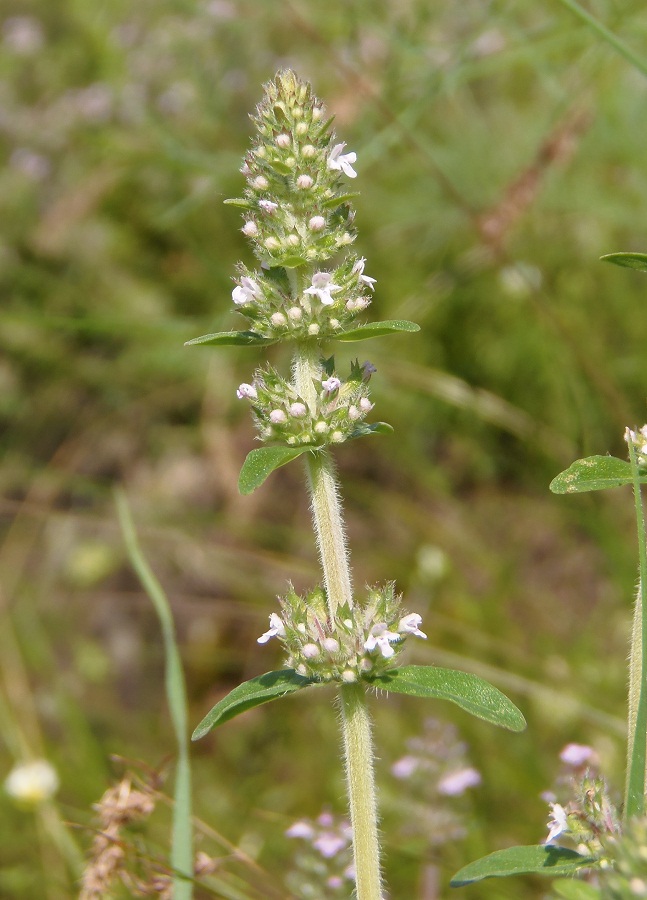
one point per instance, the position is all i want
(361, 791)
(325, 499)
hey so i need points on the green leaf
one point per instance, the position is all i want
(249, 694)
(595, 473)
(262, 462)
(293, 262)
(362, 430)
(571, 889)
(337, 201)
(232, 339)
(238, 201)
(535, 860)
(377, 329)
(471, 693)
(279, 167)
(630, 260)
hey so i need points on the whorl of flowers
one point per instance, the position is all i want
(362, 640)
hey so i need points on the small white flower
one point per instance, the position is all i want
(381, 638)
(278, 417)
(268, 206)
(329, 844)
(411, 625)
(405, 767)
(32, 783)
(457, 783)
(331, 384)
(342, 162)
(323, 288)
(298, 410)
(301, 830)
(250, 229)
(246, 390)
(277, 629)
(358, 269)
(246, 291)
(558, 822)
(577, 755)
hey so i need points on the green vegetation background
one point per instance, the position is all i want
(501, 152)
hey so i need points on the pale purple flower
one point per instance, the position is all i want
(301, 830)
(456, 783)
(268, 206)
(358, 269)
(329, 844)
(342, 162)
(405, 767)
(331, 384)
(277, 629)
(246, 292)
(411, 625)
(577, 755)
(558, 822)
(368, 369)
(321, 287)
(381, 638)
(23, 34)
(247, 391)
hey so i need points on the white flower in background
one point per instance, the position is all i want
(342, 162)
(358, 269)
(277, 629)
(558, 822)
(381, 638)
(411, 625)
(246, 390)
(457, 783)
(32, 783)
(321, 287)
(246, 292)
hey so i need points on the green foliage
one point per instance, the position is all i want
(231, 339)
(260, 463)
(630, 260)
(538, 860)
(255, 692)
(569, 889)
(377, 329)
(595, 473)
(468, 691)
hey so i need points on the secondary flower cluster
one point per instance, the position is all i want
(295, 212)
(324, 865)
(333, 416)
(323, 308)
(639, 441)
(360, 641)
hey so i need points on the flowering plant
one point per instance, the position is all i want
(310, 290)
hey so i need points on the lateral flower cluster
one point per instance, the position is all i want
(335, 416)
(324, 308)
(639, 441)
(361, 641)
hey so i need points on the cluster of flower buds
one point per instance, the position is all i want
(295, 212)
(361, 641)
(324, 308)
(586, 818)
(335, 415)
(638, 439)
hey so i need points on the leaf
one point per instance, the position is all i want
(630, 260)
(572, 889)
(534, 860)
(238, 201)
(362, 430)
(471, 693)
(249, 694)
(293, 262)
(377, 329)
(595, 473)
(232, 339)
(337, 201)
(262, 462)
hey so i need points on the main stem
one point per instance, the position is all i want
(329, 528)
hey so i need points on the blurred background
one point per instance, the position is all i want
(500, 153)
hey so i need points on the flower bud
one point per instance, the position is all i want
(304, 182)
(298, 410)
(272, 244)
(260, 183)
(317, 223)
(313, 329)
(278, 417)
(301, 128)
(295, 314)
(283, 141)
(278, 320)
(308, 151)
(250, 229)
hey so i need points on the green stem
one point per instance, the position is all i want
(361, 791)
(327, 514)
(606, 35)
(637, 715)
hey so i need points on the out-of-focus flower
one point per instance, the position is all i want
(456, 783)
(32, 783)
(23, 34)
